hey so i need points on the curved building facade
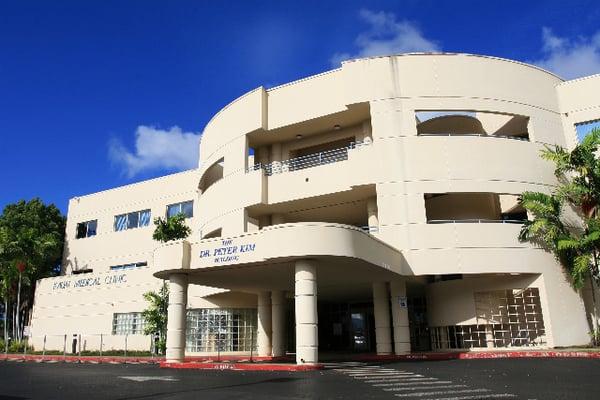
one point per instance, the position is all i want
(371, 208)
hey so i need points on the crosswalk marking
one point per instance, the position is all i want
(409, 385)
(422, 394)
(431, 381)
(415, 388)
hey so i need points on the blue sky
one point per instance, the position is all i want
(98, 94)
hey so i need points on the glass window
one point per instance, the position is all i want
(81, 230)
(144, 218)
(221, 329)
(86, 229)
(129, 266)
(121, 222)
(128, 324)
(132, 220)
(186, 208)
(91, 228)
(586, 127)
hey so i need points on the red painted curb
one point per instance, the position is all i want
(242, 366)
(474, 355)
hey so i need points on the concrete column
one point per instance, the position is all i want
(373, 218)
(307, 331)
(400, 316)
(383, 329)
(278, 322)
(276, 152)
(263, 334)
(178, 287)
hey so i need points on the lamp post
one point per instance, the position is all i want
(21, 268)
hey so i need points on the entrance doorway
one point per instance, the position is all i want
(346, 327)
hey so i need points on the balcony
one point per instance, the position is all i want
(309, 160)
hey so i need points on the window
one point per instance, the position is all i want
(128, 266)
(186, 208)
(584, 128)
(132, 220)
(128, 324)
(221, 329)
(86, 229)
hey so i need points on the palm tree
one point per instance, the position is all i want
(575, 242)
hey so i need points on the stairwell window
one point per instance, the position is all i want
(186, 208)
(136, 219)
(86, 229)
(128, 324)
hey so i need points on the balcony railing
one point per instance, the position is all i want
(308, 161)
(476, 221)
(526, 139)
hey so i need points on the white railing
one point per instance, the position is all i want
(476, 221)
(526, 139)
(308, 161)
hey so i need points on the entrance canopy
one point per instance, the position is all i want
(348, 259)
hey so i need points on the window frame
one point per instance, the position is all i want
(180, 205)
(128, 266)
(122, 327)
(86, 224)
(138, 216)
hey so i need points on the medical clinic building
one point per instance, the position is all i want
(371, 208)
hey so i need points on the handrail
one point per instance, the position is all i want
(476, 221)
(307, 161)
(525, 139)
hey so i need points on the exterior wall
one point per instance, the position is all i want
(579, 102)
(110, 248)
(375, 100)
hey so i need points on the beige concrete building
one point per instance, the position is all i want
(371, 208)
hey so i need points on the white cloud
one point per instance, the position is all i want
(570, 58)
(155, 149)
(386, 35)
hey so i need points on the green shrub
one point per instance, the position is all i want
(18, 346)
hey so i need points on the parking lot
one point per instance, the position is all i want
(449, 380)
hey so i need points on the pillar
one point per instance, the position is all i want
(276, 158)
(278, 322)
(381, 308)
(372, 215)
(307, 331)
(178, 287)
(263, 334)
(400, 316)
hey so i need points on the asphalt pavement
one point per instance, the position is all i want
(542, 379)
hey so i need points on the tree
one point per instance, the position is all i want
(31, 244)
(575, 242)
(155, 315)
(172, 228)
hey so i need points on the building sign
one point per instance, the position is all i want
(227, 251)
(88, 282)
(403, 302)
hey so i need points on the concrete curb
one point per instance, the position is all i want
(474, 355)
(243, 363)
